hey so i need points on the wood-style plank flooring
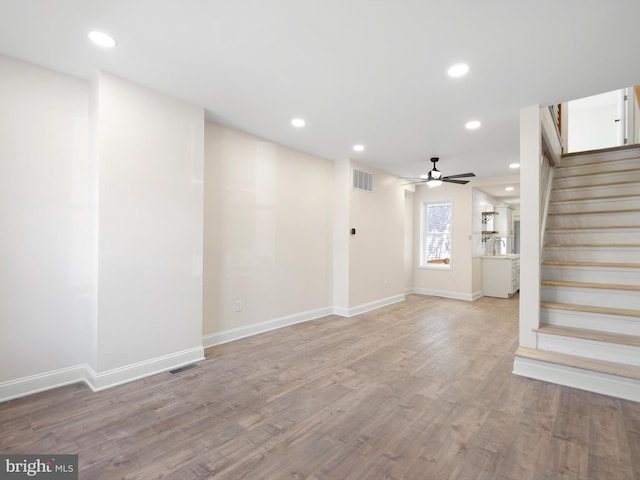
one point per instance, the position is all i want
(418, 390)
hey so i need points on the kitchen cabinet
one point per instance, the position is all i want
(503, 221)
(500, 275)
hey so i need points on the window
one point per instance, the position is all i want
(435, 242)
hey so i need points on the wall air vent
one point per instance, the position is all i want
(362, 180)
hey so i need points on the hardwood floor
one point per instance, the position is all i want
(418, 390)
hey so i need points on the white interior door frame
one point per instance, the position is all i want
(622, 119)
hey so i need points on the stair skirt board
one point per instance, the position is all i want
(591, 296)
(622, 324)
(591, 381)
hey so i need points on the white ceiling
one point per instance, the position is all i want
(359, 71)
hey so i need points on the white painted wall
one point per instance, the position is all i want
(47, 220)
(456, 282)
(341, 236)
(530, 155)
(409, 238)
(268, 232)
(150, 151)
(376, 252)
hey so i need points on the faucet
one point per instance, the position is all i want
(495, 244)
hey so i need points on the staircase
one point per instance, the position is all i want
(589, 332)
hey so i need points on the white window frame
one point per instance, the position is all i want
(424, 208)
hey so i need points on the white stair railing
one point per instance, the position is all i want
(546, 179)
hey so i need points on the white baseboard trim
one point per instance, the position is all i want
(237, 333)
(611, 385)
(22, 387)
(447, 294)
(146, 368)
(97, 381)
(350, 312)
(103, 380)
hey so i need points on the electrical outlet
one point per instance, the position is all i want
(385, 284)
(238, 305)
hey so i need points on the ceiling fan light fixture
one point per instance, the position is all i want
(434, 177)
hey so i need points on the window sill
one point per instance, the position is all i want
(436, 267)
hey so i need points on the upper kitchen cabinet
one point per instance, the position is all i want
(503, 220)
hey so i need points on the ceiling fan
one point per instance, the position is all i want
(434, 178)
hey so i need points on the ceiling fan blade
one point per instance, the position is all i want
(461, 182)
(412, 183)
(460, 175)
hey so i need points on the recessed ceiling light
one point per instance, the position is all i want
(509, 189)
(472, 125)
(358, 148)
(514, 165)
(298, 122)
(102, 39)
(458, 70)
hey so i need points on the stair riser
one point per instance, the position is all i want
(618, 255)
(622, 276)
(606, 384)
(629, 235)
(616, 155)
(591, 296)
(596, 205)
(593, 219)
(600, 191)
(595, 180)
(605, 167)
(591, 321)
(625, 354)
